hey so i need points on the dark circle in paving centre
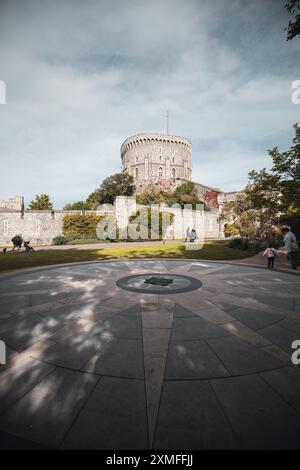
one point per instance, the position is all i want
(157, 283)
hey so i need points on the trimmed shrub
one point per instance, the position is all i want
(80, 226)
(59, 240)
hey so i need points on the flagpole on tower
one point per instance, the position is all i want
(167, 116)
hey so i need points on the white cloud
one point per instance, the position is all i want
(83, 76)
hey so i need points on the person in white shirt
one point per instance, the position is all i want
(291, 246)
(271, 254)
(193, 235)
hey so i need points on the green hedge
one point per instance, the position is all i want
(78, 226)
(147, 213)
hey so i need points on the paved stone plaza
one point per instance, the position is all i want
(91, 365)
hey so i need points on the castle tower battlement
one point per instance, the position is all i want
(157, 158)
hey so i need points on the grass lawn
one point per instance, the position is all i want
(215, 250)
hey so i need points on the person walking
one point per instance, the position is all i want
(271, 254)
(291, 246)
(193, 235)
(17, 242)
(188, 235)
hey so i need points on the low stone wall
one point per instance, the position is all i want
(39, 227)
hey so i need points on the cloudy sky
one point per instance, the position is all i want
(83, 76)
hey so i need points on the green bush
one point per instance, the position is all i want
(146, 216)
(59, 240)
(77, 226)
(230, 230)
(79, 237)
(238, 243)
(253, 245)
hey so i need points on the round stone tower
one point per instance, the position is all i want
(163, 159)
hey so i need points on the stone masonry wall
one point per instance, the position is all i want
(39, 227)
(156, 157)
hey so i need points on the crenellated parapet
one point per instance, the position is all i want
(157, 158)
(146, 139)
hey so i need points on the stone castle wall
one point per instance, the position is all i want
(157, 158)
(39, 227)
(13, 203)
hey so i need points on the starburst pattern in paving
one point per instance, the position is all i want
(91, 365)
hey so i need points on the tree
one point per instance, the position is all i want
(278, 191)
(120, 184)
(271, 197)
(186, 193)
(153, 194)
(93, 200)
(231, 230)
(75, 206)
(240, 216)
(41, 202)
(293, 28)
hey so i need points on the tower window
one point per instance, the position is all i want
(160, 172)
(136, 173)
(136, 159)
(173, 173)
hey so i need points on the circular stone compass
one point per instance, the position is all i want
(154, 283)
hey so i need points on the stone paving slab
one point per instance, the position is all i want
(193, 360)
(9, 306)
(240, 357)
(72, 352)
(280, 336)
(190, 328)
(286, 382)
(93, 366)
(47, 411)
(19, 379)
(11, 442)
(190, 417)
(118, 357)
(114, 417)
(20, 333)
(259, 417)
(256, 319)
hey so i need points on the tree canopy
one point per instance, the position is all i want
(41, 202)
(153, 194)
(93, 200)
(293, 28)
(279, 189)
(119, 184)
(185, 193)
(75, 206)
(271, 197)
